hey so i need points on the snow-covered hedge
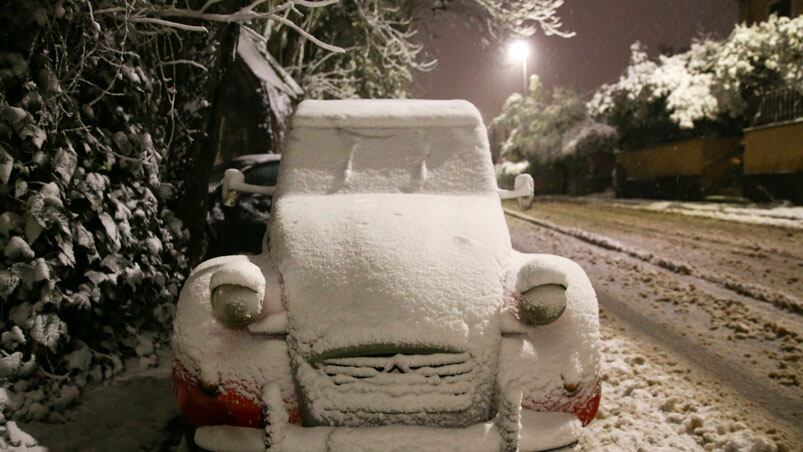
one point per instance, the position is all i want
(765, 56)
(91, 260)
(705, 90)
(589, 138)
(683, 83)
(547, 127)
(553, 138)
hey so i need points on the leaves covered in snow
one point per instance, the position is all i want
(90, 258)
(707, 88)
(548, 127)
(381, 51)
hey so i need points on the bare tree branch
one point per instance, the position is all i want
(167, 23)
(190, 62)
(157, 16)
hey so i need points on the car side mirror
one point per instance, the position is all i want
(523, 189)
(234, 184)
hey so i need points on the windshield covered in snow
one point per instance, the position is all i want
(447, 160)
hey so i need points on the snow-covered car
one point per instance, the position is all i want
(388, 309)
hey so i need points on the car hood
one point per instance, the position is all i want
(414, 270)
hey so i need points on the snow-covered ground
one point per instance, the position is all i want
(783, 215)
(788, 216)
(134, 412)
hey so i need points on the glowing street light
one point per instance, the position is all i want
(519, 51)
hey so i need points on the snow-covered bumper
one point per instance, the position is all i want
(538, 431)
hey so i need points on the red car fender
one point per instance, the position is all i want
(227, 406)
(583, 404)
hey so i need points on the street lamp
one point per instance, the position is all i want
(519, 51)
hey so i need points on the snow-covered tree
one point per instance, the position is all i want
(539, 123)
(761, 58)
(683, 84)
(379, 51)
(706, 89)
(382, 50)
(514, 17)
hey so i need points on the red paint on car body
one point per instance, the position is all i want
(583, 404)
(226, 407)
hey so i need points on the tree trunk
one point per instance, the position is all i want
(193, 209)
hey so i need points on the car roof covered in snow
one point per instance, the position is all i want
(385, 113)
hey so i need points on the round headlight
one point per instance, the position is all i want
(235, 305)
(542, 305)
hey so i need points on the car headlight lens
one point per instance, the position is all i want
(543, 304)
(235, 305)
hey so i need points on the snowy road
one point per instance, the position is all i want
(716, 301)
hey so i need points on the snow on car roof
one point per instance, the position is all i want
(386, 146)
(386, 113)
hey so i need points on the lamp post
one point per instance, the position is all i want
(519, 51)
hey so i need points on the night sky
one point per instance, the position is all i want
(597, 54)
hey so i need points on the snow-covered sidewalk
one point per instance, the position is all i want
(135, 411)
(781, 215)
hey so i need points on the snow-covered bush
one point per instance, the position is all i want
(668, 98)
(591, 137)
(92, 259)
(763, 57)
(689, 92)
(552, 136)
(682, 84)
(539, 123)
(705, 90)
(506, 172)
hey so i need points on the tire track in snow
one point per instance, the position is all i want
(765, 343)
(780, 300)
(652, 400)
(774, 402)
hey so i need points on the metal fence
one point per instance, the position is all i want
(777, 106)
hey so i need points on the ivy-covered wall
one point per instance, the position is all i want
(91, 255)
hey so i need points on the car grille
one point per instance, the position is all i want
(432, 369)
(434, 387)
(402, 383)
